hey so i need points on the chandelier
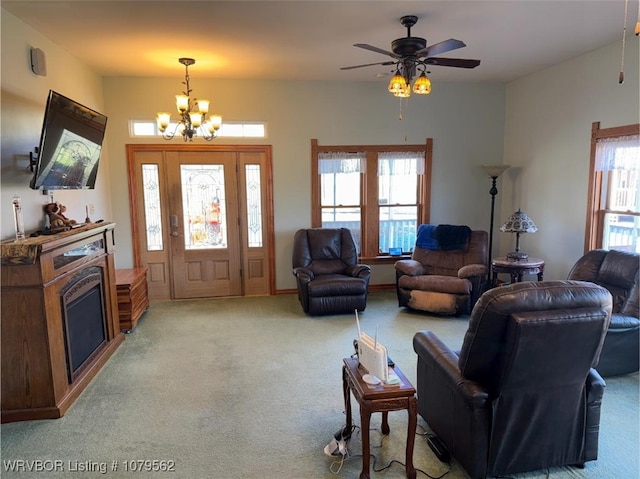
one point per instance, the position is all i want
(400, 83)
(193, 122)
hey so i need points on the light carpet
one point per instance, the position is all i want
(251, 388)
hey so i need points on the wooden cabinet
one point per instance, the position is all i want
(59, 319)
(133, 297)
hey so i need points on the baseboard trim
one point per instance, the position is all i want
(372, 289)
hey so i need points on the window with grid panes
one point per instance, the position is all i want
(613, 215)
(381, 193)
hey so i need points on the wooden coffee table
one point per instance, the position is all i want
(381, 398)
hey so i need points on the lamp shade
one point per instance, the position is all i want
(422, 85)
(397, 83)
(494, 171)
(519, 222)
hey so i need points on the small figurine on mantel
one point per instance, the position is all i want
(57, 220)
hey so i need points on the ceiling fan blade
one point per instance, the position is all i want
(441, 47)
(368, 65)
(452, 62)
(376, 49)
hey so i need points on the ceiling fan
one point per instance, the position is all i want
(411, 54)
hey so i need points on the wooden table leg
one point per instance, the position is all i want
(346, 390)
(385, 423)
(365, 419)
(412, 409)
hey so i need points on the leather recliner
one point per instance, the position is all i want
(444, 281)
(618, 272)
(329, 278)
(521, 394)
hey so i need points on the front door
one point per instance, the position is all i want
(201, 219)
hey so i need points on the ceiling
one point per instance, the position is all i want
(311, 40)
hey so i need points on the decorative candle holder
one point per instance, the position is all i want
(17, 217)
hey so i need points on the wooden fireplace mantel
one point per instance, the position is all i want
(37, 381)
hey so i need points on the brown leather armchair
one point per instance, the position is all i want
(329, 278)
(618, 272)
(522, 394)
(444, 281)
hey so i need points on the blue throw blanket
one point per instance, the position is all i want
(425, 238)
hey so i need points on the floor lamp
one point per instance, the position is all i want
(494, 171)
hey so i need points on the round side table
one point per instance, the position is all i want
(516, 268)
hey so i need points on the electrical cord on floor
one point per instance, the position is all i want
(395, 461)
(336, 466)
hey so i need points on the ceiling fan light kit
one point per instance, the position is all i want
(412, 55)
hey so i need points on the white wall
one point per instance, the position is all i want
(23, 98)
(547, 141)
(465, 121)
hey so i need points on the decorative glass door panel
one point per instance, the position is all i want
(254, 206)
(204, 206)
(152, 207)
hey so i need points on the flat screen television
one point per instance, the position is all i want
(70, 145)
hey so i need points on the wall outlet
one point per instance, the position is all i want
(92, 209)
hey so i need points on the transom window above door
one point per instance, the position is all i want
(229, 129)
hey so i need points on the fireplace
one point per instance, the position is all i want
(60, 320)
(84, 319)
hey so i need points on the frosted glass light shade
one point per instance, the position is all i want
(182, 103)
(163, 120)
(196, 119)
(203, 106)
(494, 171)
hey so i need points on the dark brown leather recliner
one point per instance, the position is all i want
(618, 272)
(329, 278)
(522, 394)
